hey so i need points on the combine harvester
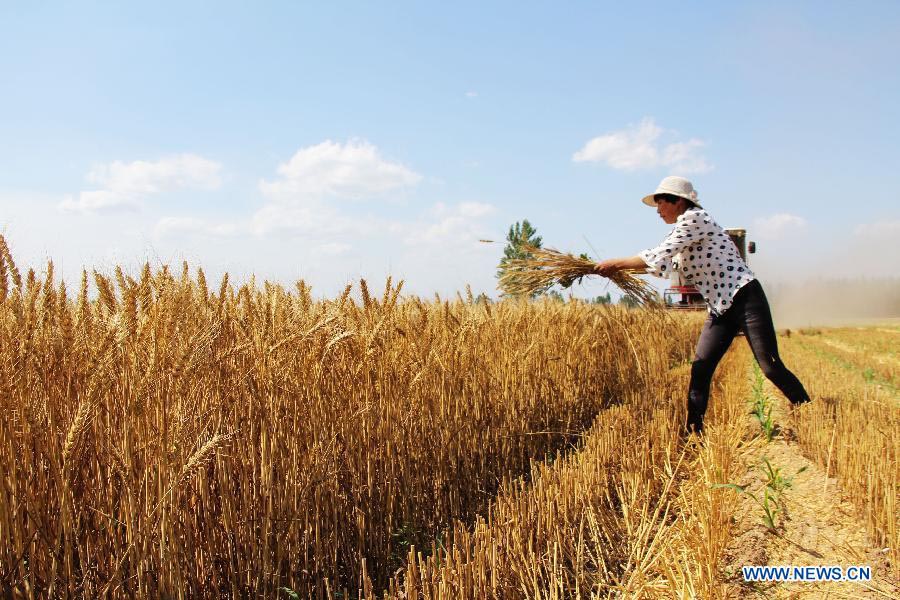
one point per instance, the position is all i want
(686, 297)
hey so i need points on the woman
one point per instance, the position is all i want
(704, 255)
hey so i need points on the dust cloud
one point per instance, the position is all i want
(834, 302)
(818, 278)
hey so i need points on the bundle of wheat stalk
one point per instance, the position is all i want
(544, 267)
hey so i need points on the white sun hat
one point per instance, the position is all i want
(677, 186)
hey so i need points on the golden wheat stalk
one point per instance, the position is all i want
(77, 431)
(199, 459)
(10, 263)
(544, 267)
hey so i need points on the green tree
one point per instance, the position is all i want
(607, 299)
(519, 234)
(554, 295)
(629, 301)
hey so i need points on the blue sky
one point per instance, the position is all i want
(332, 141)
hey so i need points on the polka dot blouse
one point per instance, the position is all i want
(705, 257)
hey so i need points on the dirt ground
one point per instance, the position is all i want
(814, 525)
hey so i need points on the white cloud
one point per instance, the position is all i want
(475, 209)
(174, 226)
(460, 223)
(141, 177)
(684, 157)
(351, 170)
(98, 201)
(640, 147)
(471, 94)
(313, 218)
(625, 150)
(778, 226)
(331, 249)
(438, 209)
(124, 185)
(444, 230)
(302, 198)
(271, 219)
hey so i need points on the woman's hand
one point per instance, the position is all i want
(608, 267)
(634, 264)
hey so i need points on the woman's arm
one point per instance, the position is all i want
(659, 261)
(631, 263)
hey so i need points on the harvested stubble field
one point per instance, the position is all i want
(162, 438)
(854, 428)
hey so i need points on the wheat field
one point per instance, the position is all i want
(166, 436)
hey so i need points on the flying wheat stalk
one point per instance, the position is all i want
(544, 267)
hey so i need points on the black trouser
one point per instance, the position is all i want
(750, 313)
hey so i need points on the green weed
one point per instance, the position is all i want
(762, 406)
(869, 375)
(775, 480)
(769, 501)
(776, 483)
